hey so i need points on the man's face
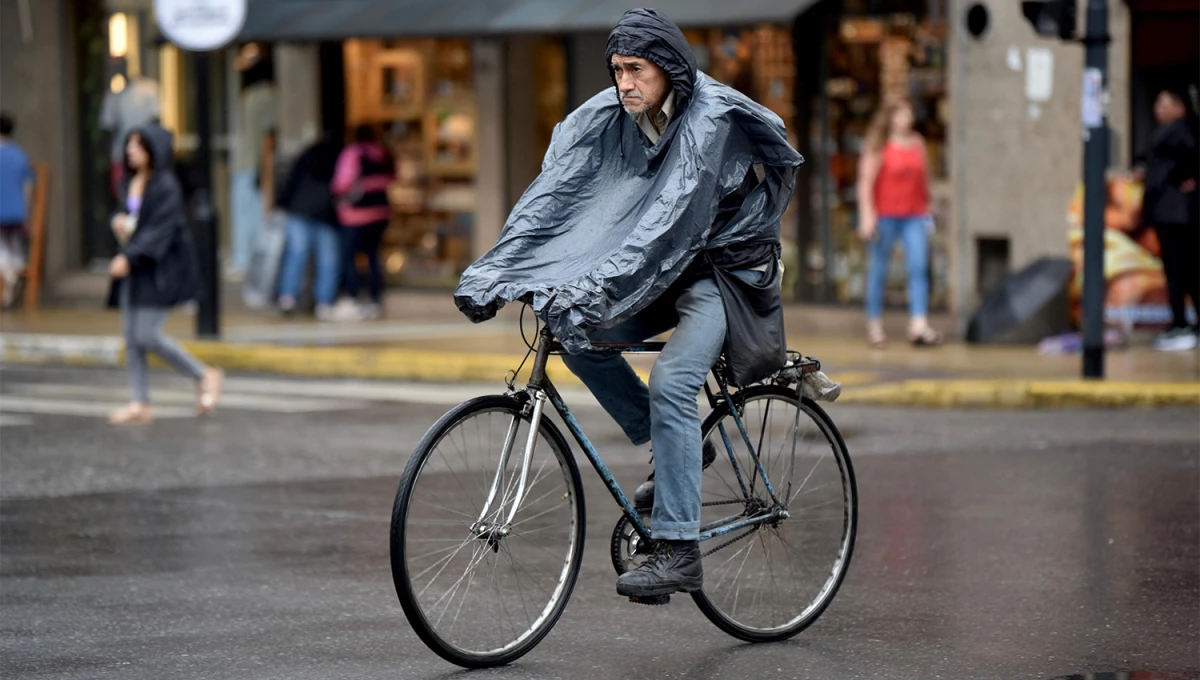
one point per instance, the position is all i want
(1167, 109)
(642, 84)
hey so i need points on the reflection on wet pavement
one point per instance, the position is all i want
(978, 556)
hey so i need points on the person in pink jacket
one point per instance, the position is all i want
(360, 181)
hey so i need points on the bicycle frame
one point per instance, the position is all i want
(540, 388)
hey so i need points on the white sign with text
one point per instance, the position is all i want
(200, 25)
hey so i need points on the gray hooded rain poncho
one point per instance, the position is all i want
(612, 220)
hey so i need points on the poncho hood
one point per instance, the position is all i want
(649, 34)
(613, 220)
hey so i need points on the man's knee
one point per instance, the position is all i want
(671, 382)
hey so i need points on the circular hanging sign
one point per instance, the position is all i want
(200, 25)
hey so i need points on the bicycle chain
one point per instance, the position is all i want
(730, 542)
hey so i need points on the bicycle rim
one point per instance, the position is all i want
(476, 597)
(770, 582)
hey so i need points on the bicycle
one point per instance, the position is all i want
(486, 546)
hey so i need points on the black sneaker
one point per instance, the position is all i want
(673, 568)
(643, 497)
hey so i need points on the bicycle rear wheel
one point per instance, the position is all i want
(773, 580)
(478, 589)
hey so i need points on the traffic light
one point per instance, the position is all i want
(1051, 17)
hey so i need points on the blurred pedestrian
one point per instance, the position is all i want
(256, 120)
(312, 227)
(1171, 205)
(156, 269)
(16, 190)
(893, 200)
(360, 183)
(121, 112)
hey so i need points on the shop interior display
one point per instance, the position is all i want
(420, 95)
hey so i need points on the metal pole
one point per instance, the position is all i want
(1095, 162)
(208, 318)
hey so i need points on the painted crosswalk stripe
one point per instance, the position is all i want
(447, 394)
(9, 420)
(229, 399)
(70, 407)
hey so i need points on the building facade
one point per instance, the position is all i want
(468, 104)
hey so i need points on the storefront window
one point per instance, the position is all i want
(420, 94)
(760, 63)
(129, 77)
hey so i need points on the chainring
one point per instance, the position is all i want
(627, 549)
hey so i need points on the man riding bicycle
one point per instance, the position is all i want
(641, 206)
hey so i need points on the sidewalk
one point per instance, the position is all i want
(423, 337)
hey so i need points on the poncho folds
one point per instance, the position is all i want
(612, 221)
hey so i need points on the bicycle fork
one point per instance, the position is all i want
(491, 530)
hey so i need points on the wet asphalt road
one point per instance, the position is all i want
(254, 545)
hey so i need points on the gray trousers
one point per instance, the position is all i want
(665, 411)
(143, 331)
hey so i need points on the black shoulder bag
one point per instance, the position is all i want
(755, 345)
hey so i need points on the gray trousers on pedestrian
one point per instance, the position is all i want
(143, 331)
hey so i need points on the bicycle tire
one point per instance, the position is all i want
(850, 523)
(511, 407)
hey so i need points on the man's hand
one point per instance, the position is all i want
(1188, 186)
(119, 268)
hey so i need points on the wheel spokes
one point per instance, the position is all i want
(784, 570)
(480, 586)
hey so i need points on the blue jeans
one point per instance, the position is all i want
(913, 232)
(303, 236)
(665, 412)
(247, 216)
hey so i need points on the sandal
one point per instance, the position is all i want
(927, 337)
(131, 414)
(208, 390)
(876, 338)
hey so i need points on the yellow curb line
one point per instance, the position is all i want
(384, 363)
(378, 363)
(1025, 394)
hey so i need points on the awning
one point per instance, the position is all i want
(304, 20)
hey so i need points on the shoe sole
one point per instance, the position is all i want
(1176, 347)
(687, 585)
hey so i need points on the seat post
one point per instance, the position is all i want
(537, 377)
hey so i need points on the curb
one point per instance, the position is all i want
(389, 363)
(1015, 394)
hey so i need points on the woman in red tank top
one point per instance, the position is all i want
(893, 200)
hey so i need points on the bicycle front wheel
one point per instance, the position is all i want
(770, 581)
(479, 588)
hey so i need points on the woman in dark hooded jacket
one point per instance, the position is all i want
(156, 270)
(1171, 204)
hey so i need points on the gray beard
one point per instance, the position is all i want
(644, 108)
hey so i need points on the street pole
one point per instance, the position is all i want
(1095, 162)
(208, 318)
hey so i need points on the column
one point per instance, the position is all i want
(491, 204)
(298, 97)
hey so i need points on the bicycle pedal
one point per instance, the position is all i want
(651, 600)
